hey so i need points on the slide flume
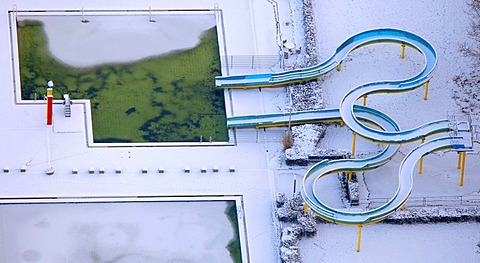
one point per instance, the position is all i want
(355, 117)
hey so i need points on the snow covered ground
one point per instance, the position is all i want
(443, 242)
(445, 25)
(258, 158)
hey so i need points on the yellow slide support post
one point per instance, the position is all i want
(420, 169)
(403, 50)
(462, 173)
(365, 100)
(359, 237)
(353, 143)
(425, 96)
(459, 160)
(403, 207)
(305, 206)
(339, 66)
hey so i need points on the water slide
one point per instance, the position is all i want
(356, 117)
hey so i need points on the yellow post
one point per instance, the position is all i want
(459, 160)
(342, 123)
(350, 176)
(339, 66)
(425, 97)
(462, 174)
(403, 50)
(403, 207)
(353, 143)
(305, 206)
(359, 237)
(420, 169)
(365, 100)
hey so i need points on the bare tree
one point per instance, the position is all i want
(467, 96)
(474, 33)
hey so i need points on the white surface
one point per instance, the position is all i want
(428, 243)
(121, 37)
(120, 232)
(249, 29)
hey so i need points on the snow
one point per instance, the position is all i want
(124, 232)
(454, 242)
(258, 155)
(119, 37)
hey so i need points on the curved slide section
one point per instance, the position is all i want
(405, 184)
(354, 117)
(381, 35)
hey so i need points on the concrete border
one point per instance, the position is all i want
(85, 102)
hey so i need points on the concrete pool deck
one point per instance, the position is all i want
(25, 136)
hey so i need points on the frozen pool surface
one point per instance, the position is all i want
(120, 38)
(115, 232)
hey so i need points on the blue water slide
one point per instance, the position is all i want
(355, 117)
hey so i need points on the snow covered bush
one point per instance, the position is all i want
(290, 255)
(307, 223)
(296, 224)
(291, 235)
(306, 138)
(290, 209)
(281, 198)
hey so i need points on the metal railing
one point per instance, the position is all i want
(469, 200)
(253, 61)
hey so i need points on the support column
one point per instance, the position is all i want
(420, 169)
(403, 207)
(339, 66)
(359, 237)
(462, 173)
(305, 206)
(425, 96)
(365, 100)
(403, 51)
(353, 143)
(459, 160)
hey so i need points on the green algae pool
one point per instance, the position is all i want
(166, 98)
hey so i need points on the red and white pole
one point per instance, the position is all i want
(50, 103)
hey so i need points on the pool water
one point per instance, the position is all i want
(147, 82)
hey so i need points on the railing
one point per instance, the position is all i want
(253, 61)
(469, 200)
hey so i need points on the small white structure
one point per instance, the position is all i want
(67, 105)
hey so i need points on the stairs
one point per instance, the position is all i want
(67, 105)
